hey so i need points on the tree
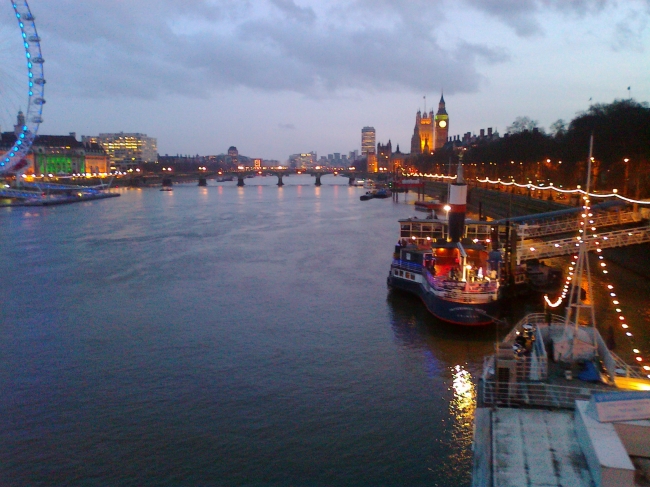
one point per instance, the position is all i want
(522, 124)
(558, 128)
(621, 130)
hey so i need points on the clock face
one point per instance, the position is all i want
(442, 124)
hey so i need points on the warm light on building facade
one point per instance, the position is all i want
(126, 151)
(367, 141)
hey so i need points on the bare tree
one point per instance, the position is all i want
(522, 124)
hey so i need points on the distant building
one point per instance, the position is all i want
(126, 150)
(304, 159)
(367, 140)
(97, 160)
(397, 160)
(233, 155)
(441, 125)
(430, 132)
(372, 162)
(60, 155)
(383, 155)
(422, 139)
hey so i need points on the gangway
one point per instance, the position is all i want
(570, 224)
(566, 246)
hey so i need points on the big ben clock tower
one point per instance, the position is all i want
(441, 126)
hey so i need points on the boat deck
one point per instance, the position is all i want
(531, 448)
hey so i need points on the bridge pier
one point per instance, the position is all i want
(280, 183)
(167, 182)
(351, 181)
(240, 180)
(318, 183)
(203, 181)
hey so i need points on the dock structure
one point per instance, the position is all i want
(603, 442)
(527, 448)
(48, 194)
(544, 421)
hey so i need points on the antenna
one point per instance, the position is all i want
(425, 103)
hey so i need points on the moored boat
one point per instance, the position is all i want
(383, 193)
(457, 281)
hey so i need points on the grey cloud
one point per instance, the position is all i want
(518, 14)
(521, 15)
(286, 126)
(629, 32)
(147, 48)
(295, 12)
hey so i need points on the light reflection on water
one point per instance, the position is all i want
(461, 410)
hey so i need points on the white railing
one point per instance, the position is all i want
(566, 246)
(572, 224)
(625, 370)
(533, 394)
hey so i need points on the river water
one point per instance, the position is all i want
(231, 337)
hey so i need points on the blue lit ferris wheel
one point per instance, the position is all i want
(13, 158)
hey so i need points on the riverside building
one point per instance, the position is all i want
(126, 150)
(431, 131)
(59, 155)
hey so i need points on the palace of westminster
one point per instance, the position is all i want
(430, 134)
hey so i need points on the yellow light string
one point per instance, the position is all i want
(603, 267)
(565, 191)
(638, 357)
(434, 176)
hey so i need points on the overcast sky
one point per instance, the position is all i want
(276, 77)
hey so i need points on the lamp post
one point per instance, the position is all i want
(627, 175)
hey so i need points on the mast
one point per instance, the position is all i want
(581, 267)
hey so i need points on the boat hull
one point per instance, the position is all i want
(457, 313)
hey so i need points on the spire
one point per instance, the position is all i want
(441, 106)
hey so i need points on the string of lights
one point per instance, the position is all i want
(587, 215)
(432, 176)
(578, 190)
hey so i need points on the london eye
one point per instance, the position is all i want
(21, 90)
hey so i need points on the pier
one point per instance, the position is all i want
(50, 194)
